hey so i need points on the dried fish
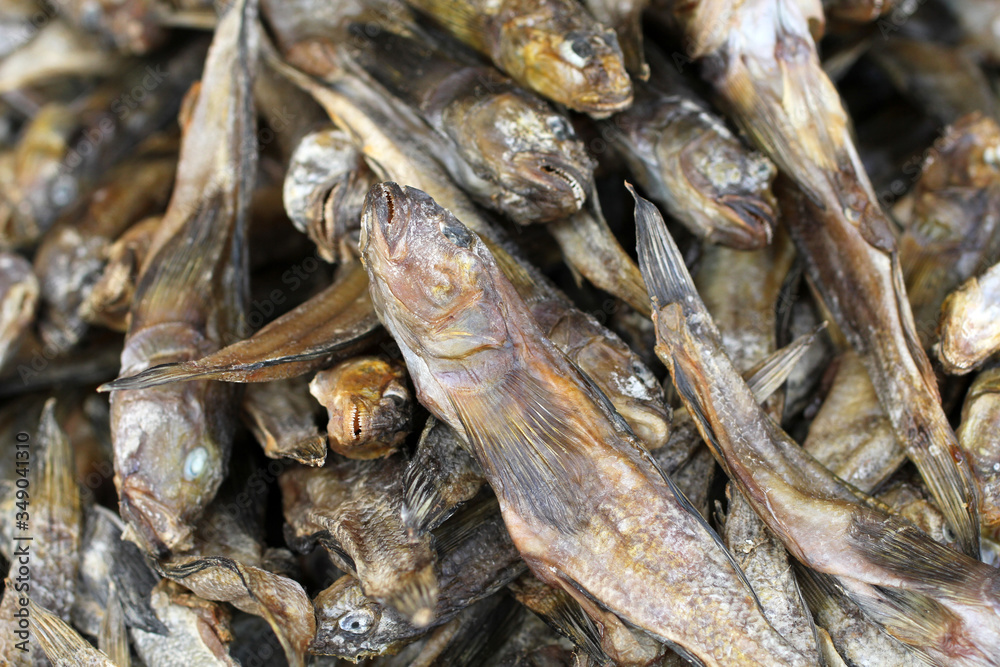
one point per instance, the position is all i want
(172, 444)
(553, 47)
(886, 564)
(625, 16)
(282, 416)
(53, 52)
(969, 327)
(18, 300)
(353, 509)
(685, 158)
(455, 286)
(369, 405)
(977, 435)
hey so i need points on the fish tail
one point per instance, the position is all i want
(660, 261)
(153, 377)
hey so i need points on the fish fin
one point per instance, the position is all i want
(456, 530)
(425, 505)
(912, 618)
(771, 372)
(56, 481)
(562, 613)
(483, 630)
(925, 564)
(660, 261)
(113, 639)
(61, 643)
(910, 328)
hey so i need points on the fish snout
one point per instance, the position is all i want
(154, 526)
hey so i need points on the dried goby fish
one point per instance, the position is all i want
(625, 16)
(109, 301)
(617, 370)
(951, 218)
(943, 79)
(466, 335)
(63, 645)
(977, 435)
(851, 434)
(197, 631)
(858, 640)
(507, 148)
(230, 563)
(773, 86)
(970, 323)
(886, 564)
(72, 254)
(685, 158)
(172, 444)
(80, 141)
(332, 325)
(439, 477)
(475, 559)
(369, 406)
(353, 509)
(553, 47)
(324, 191)
(18, 301)
(282, 416)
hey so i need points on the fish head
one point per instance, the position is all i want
(581, 68)
(169, 462)
(351, 625)
(531, 152)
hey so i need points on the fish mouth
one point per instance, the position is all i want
(753, 220)
(609, 100)
(554, 187)
(156, 528)
(383, 204)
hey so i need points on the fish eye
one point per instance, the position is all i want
(582, 47)
(397, 395)
(571, 51)
(357, 622)
(195, 463)
(457, 234)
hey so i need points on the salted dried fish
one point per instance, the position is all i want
(282, 416)
(18, 300)
(885, 563)
(475, 559)
(455, 287)
(977, 435)
(951, 218)
(553, 47)
(198, 631)
(685, 158)
(325, 189)
(369, 406)
(970, 323)
(353, 509)
(851, 434)
(72, 255)
(507, 148)
(336, 322)
(172, 444)
(109, 301)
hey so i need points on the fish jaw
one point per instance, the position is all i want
(153, 526)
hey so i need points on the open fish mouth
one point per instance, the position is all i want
(551, 186)
(752, 217)
(158, 528)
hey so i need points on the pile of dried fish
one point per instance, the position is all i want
(338, 331)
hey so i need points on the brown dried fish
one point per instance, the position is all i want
(977, 435)
(282, 416)
(970, 323)
(369, 405)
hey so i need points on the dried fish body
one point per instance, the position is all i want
(353, 508)
(68, 148)
(369, 406)
(456, 286)
(506, 147)
(970, 323)
(18, 300)
(324, 191)
(943, 79)
(282, 416)
(625, 17)
(172, 444)
(553, 47)
(334, 324)
(851, 434)
(885, 563)
(109, 301)
(977, 435)
(197, 635)
(690, 163)
(72, 254)
(475, 559)
(951, 219)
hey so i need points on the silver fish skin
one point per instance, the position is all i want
(441, 295)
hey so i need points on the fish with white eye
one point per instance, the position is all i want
(194, 464)
(357, 622)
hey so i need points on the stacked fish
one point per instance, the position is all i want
(378, 380)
